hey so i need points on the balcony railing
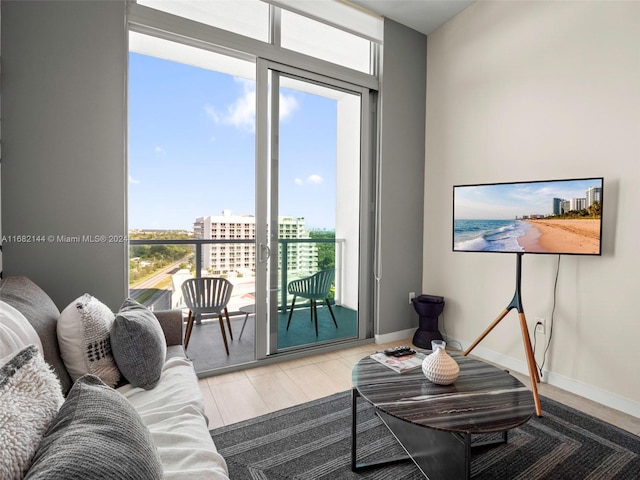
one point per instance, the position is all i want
(285, 245)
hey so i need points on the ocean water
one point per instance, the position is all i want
(488, 235)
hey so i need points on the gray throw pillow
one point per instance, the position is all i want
(97, 434)
(138, 345)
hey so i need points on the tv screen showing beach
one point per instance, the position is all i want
(555, 217)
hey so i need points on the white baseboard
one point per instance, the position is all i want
(590, 392)
(395, 336)
(576, 387)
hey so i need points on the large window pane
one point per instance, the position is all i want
(191, 158)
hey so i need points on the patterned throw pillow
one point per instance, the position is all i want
(30, 396)
(97, 435)
(84, 337)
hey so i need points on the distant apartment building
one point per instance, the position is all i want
(594, 194)
(578, 204)
(557, 206)
(560, 205)
(302, 258)
(227, 257)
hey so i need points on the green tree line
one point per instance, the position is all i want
(145, 260)
(326, 250)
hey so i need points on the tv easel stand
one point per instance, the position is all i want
(516, 303)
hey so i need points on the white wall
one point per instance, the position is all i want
(64, 142)
(541, 90)
(348, 195)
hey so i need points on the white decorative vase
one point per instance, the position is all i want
(439, 367)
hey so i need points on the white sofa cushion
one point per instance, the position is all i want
(15, 331)
(174, 413)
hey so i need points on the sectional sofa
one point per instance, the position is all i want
(139, 416)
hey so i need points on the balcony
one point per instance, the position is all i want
(162, 291)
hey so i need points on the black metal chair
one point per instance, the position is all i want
(316, 287)
(207, 296)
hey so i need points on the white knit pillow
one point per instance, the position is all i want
(15, 331)
(30, 397)
(83, 330)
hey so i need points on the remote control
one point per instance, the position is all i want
(400, 351)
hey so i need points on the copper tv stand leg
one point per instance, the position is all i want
(516, 303)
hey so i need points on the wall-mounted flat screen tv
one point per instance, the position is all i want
(552, 216)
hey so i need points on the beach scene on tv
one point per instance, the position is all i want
(561, 216)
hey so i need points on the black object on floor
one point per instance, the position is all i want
(429, 308)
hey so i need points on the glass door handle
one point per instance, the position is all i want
(263, 248)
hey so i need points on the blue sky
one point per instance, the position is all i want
(192, 147)
(505, 201)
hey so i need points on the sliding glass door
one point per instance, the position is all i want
(309, 174)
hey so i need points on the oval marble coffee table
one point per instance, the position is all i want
(435, 423)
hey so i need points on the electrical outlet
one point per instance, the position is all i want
(541, 326)
(412, 295)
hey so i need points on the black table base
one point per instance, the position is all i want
(444, 455)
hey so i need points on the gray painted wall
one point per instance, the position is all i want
(63, 155)
(401, 176)
(64, 141)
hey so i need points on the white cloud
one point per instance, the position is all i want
(316, 179)
(288, 105)
(242, 112)
(133, 181)
(160, 150)
(212, 114)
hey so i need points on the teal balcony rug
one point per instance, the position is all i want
(313, 441)
(302, 331)
(207, 352)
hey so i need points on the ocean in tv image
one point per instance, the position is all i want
(556, 216)
(488, 235)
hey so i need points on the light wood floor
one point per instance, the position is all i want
(246, 394)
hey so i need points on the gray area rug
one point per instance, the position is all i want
(313, 441)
